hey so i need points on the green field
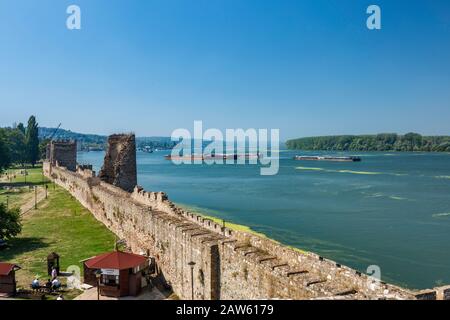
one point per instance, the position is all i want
(60, 224)
(16, 196)
(33, 176)
(19, 191)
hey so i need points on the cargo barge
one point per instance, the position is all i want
(327, 158)
(247, 156)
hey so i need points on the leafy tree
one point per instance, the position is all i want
(10, 225)
(43, 148)
(17, 146)
(413, 140)
(21, 127)
(32, 140)
(5, 159)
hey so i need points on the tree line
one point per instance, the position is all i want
(20, 145)
(379, 142)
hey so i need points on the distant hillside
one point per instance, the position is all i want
(379, 142)
(98, 142)
(162, 143)
(85, 141)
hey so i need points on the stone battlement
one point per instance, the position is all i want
(160, 201)
(85, 171)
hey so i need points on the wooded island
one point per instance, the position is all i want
(378, 142)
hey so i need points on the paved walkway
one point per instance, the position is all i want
(147, 294)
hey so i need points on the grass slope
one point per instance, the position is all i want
(19, 192)
(62, 225)
(34, 176)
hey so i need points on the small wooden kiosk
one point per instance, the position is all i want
(120, 273)
(8, 278)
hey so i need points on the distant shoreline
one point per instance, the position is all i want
(385, 142)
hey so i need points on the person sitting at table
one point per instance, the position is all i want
(35, 284)
(56, 284)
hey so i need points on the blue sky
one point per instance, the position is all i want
(306, 67)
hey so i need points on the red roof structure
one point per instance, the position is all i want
(117, 260)
(6, 268)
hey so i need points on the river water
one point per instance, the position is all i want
(390, 210)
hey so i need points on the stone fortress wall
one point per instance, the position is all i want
(63, 153)
(119, 167)
(229, 264)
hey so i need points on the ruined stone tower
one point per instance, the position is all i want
(119, 166)
(63, 153)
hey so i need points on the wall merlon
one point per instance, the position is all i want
(181, 224)
(253, 252)
(228, 242)
(200, 233)
(190, 230)
(295, 273)
(242, 245)
(280, 267)
(315, 281)
(210, 239)
(267, 258)
(86, 171)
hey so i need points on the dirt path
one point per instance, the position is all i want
(29, 204)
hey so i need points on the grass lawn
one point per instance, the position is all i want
(33, 176)
(18, 191)
(16, 197)
(61, 225)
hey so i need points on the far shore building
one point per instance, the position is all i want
(8, 278)
(119, 273)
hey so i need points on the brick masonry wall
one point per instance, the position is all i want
(228, 264)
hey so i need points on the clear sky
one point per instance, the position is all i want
(307, 67)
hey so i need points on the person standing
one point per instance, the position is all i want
(54, 273)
